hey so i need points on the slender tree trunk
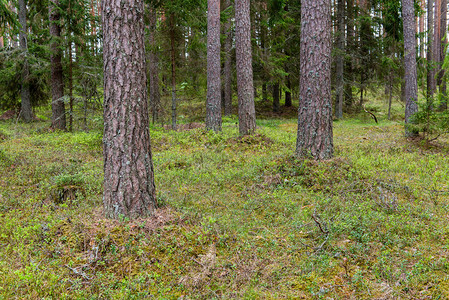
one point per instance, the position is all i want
(227, 72)
(411, 83)
(129, 189)
(421, 29)
(315, 105)
(288, 92)
(365, 36)
(340, 58)
(390, 93)
(13, 37)
(431, 84)
(263, 46)
(350, 48)
(436, 48)
(213, 106)
(173, 72)
(245, 89)
(276, 104)
(26, 111)
(58, 120)
(443, 44)
(70, 87)
(155, 96)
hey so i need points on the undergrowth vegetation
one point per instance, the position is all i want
(237, 218)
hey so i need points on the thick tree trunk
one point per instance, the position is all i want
(315, 105)
(155, 96)
(227, 72)
(245, 89)
(411, 83)
(129, 189)
(26, 112)
(340, 58)
(276, 103)
(213, 105)
(58, 120)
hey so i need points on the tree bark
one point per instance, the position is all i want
(443, 44)
(276, 104)
(26, 111)
(411, 83)
(245, 89)
(288, 92)
(340, 58)
(213, 105)
(129, 189)
(58, 119)
(350, 48)
(227, 72)
(421, 29)
(315, 106)
(431, 83)
(155, 96)
(436, 48)
(173, 72)
(70, 88)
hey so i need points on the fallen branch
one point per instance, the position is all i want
(325, 231)
(375, 119)
(78, 273)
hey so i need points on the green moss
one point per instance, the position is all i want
(383, 201)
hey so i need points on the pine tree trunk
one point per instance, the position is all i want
(155, 96)
(288, 92)
(245, 89)
(58, 120)
(276, 104)
(173, 72)
(263, 45)
(411, 83)
(365, 35)
(431, 83)
(213, 105)
(315, 106)
(129, 189)
(421, 29)
(227, 72)
(70, 88)
(443, 44)
(436, 48)
(340, 58)
(390, 93)
(26, 112)
(350, 48)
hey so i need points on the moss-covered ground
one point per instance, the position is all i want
(238, 218)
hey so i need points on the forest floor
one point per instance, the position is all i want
(238, 217)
